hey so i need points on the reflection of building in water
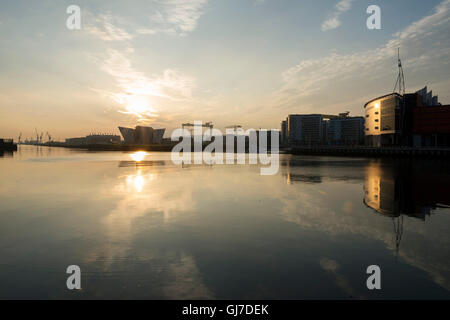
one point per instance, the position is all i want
(407, 188)
(379, 188)
(301, 177)
(292, 178)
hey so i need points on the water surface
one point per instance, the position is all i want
(142, 227)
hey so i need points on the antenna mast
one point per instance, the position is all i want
(400, 83)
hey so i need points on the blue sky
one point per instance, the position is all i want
(250, 62)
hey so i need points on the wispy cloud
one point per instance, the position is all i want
(104, 27)
(171, 17)
(334, 19)
(176, 17)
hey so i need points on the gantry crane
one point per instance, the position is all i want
(193, 125)
(234, 126)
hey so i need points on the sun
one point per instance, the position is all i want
(138, 156)
(139, 106)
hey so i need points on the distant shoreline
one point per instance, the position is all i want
(343, 151)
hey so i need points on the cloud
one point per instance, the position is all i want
(172, 17)
(333, 21)
(175, 17)
(137, 92)
(105, 29)
(367, 71)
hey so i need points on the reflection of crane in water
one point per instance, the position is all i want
(398, 232)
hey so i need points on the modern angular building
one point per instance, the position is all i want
(383, 124)
(142, 135)
(127, 134)
(414, 120)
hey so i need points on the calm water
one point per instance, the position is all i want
(153, 230)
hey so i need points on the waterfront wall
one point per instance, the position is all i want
(360, 151)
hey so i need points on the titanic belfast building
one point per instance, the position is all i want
(142, 135)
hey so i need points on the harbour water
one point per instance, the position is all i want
(141, 227)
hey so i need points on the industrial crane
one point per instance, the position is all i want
(206, 125)
(37, 136)
(234, 126)
(49, 137)
(193, 125)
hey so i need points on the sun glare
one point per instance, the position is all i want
(139, 106)
(138, 156)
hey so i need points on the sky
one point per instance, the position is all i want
(249, 62)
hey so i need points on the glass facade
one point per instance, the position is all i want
(382, 126)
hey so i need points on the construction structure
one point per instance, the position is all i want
(197, 125)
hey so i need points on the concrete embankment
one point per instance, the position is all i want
(373, 152)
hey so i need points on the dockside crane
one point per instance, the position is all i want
(37, 136)
(193, 125)
(234, 126)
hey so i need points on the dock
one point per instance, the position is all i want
(7, 145)
(362, 151)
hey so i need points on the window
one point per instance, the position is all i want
(377, 112)
(367, 116)
(377, 120)
(376, 128)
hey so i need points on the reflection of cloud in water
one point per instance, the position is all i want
(332, 267)
(186, 281)
(332, 209)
